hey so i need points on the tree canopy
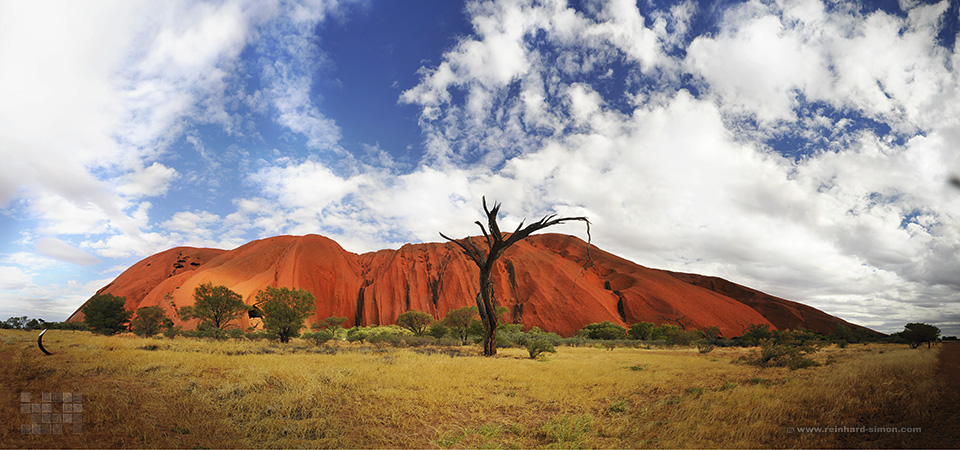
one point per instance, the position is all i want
(415, 321)
(105, 314)
(604, 330)
(459, 320)
(284, 310)
(916, 334)
(148, 321)
(215, 306)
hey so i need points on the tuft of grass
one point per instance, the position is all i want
(695, 391)
(618, 406)
(568, 431)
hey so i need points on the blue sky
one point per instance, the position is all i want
(798, 147)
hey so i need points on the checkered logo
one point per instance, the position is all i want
(52, 412)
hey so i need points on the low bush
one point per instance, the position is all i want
(791, 354)
(603, 330)
(417, 341)
(318, 337)
(257, 335)
(171, 331)
(538, 345)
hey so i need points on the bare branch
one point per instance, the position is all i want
(485, 235)
(472, 251)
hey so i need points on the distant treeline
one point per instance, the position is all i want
(22, 323)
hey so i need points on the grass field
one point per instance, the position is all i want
(212, 394)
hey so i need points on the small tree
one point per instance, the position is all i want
(755, 334)
(169, 329)
(332, 324)
(786, 349)
(105, 314)
(357, 334)
(318, 337)
(458, 321)
(678, 317)
(415, 321)
(843, 333)
(604, 330)
(35, 324)
(148, 321)
(537, 345)
(214, 305)
(915, 334)
(14, 323)
(438, 330)
(284, 310)
(712, 334)
(642, 331)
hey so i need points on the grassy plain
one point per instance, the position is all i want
(184, 392)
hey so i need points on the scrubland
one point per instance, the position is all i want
(188, 392)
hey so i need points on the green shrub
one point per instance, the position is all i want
(755, 334)
(382, 340)
(510, 335)
(207, 330)
(415, 321)
(171, 331)
(256, 335)
(148, 321)
(417, 341)
(791, 354)
(552, 338)
(318, 337)
(642, 331)
(459, 321)
(357, 334)
(604, 330)
(538, 345)
(235, 333)
(438, 330)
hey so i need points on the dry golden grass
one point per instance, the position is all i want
(193, 393)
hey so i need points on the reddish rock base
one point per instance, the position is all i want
(547, 281)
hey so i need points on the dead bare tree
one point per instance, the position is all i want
(497, 243)
(744, 325)
(678, 317)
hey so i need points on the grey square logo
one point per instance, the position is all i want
(50, 411)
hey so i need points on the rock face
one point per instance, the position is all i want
(551, 281)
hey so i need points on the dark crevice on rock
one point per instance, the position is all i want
(358, 318)
(620, 310)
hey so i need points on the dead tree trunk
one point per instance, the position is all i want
(497, 243)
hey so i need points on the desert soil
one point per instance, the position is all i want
(944, 432)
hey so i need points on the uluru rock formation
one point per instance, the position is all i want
(547, 280)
